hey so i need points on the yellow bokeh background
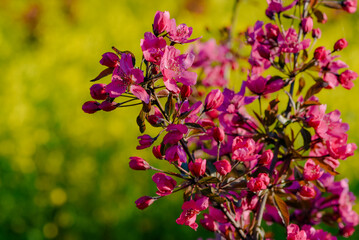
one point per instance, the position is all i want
(64, 174)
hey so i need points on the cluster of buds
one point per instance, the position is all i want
(235, 168)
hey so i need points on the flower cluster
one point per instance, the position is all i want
(236, 167)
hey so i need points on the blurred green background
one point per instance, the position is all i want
(64, 174)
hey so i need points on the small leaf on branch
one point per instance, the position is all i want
(103, 74)
(297, 174)
(184, 114)
(282, 209)
(319, 15)
(307, 138)
(325, 166)
(301, 86)
(209, 180)
(334, 5)
(126, 52)
(310, 103)
(313, 90)
(170, 105)
(195, 126)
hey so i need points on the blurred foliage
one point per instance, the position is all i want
(64, 174)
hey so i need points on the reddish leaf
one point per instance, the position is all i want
(282, 209)
(103, 74)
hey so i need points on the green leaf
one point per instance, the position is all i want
(195, 126)
(282, 209)
(170, 105)
(307, 138)
(301, 86)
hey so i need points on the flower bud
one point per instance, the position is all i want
(98, 91)
(320, 53)
(307, 24)
(311, 171)
(145, 141)
(307, 192)
(223, 167)
(264, 52)
(266, 157)
(109, 59)
(350, 6)
(214, 99)
(198, 167)
(108, 106)
(185, 91)
(137, 163)
(144, 202)
(340, 44)
(347, 231)
(258, 183)
(316, 33)
(208, 223)
(90, 107)
(161, 22)
(323, 19)
(218, 134)
(156, 151)
(165, 184)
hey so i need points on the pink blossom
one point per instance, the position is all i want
(266, 157)
(176, 153)
(198, 167)
(174, 69)
(321, 53)
(259, 183)
(180, 33)
(350, 5)
(289, 42)
(90, 107)
(307, 24)
(108, 106)
(98, 91)
(244, 149)
(346, 78)
(145, 141)
(175, 133)
(311, 171)
(223, 167)
(276, 6)
(190, 211)
(185, 91)
(161, 22)
(153, 48)
(340, 44)
(165, 184)
(314, 234)
(260, 85)
(138, 163)
(109, 59)
(209, 223)
(155, 117)
(294, 233)
(126, 76)
(214, 99)
(307, 192)
(339, 149)
(316, 33)
(144, 202)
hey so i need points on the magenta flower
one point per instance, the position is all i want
(165, 184)
(108, 106)
(190, 211)
(161, 22)
(209, 223)
(259, 183)
(125, 76)
(307, 192)
(276, 6)
(153, 48)
(144, 202)
(350, 5)
(180, 33)
(266, 157)
(137, 163)
(289, 43)
(244, 149)
(176, 153)
(294, 233)
(198, 167)
(91, 107)
(218, 134)
(156, 151)
(174, 69)
(214, 99)
(261, 86)
(175, 133)
(312, 171)
(109, 59)
(346, 78)
(223, 167)
(145, 141)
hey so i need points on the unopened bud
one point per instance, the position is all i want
(90, 107)
(214, 99)
(307, 24)
(98, 91)
(320, 53)
(185, 91)
(144, 202)
(316, 33)
(340, 44)
(156, 150)
(137, 163)
(108, 106)
(218, 134)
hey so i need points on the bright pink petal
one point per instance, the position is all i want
(116, 88)
(140, 92)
